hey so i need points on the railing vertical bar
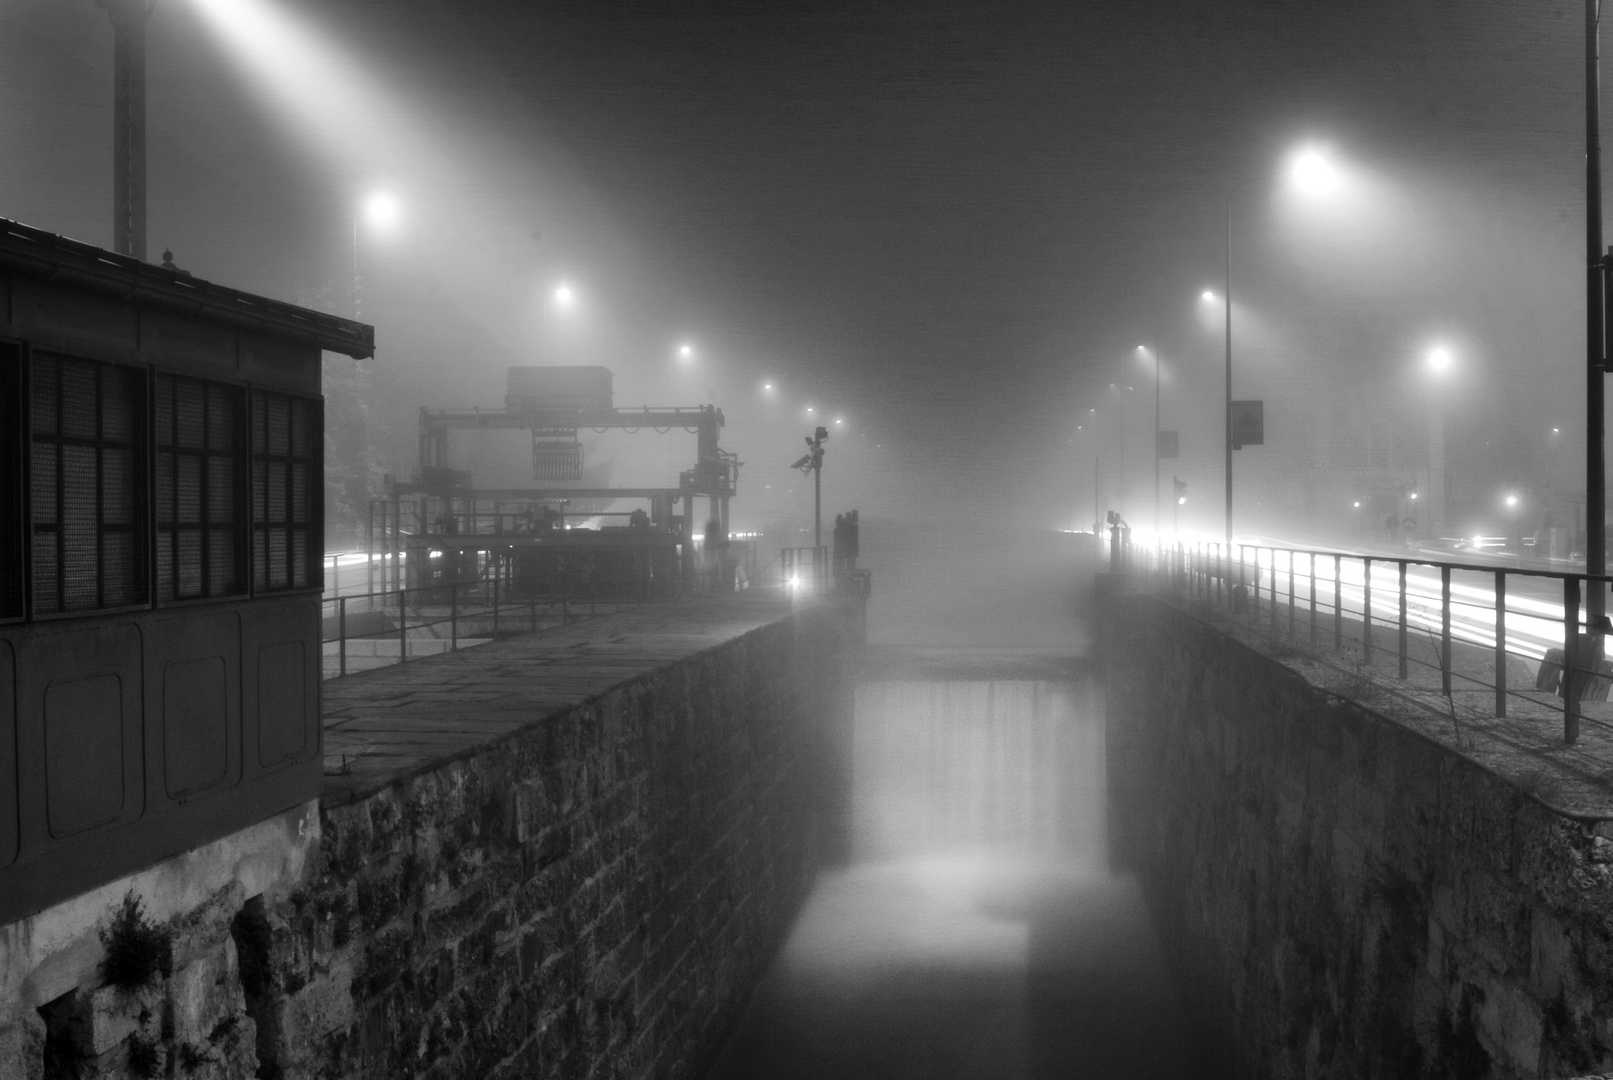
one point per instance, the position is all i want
(1402, 618)
(1290, 592)
(1500, 643)
(1445, 630)
(1312, 598)
(453, 616)
(498, 571)
(1244, 555)
(1366, 611)
(1570, 682)
(1338, 602)
(1273, 593)
(403, 628)
(341, 632)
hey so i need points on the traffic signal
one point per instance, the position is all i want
(1181, 491)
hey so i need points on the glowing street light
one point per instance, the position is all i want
(686, 353)
(1313, 172)
(1142, 350)
(1441, 362)
(564, 295)
(382, 211)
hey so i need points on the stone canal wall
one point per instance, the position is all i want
(1348, 895)
(592, 895)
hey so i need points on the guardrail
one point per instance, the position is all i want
(1511, 634)
(369, 630)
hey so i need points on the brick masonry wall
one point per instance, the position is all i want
(1350, 898)
(595, 896)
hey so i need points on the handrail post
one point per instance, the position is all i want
(1338, 602)
(1273, 593)
(1402, 618)
(496, 574)
(453, 616)
(1445, 630)
(341, 635)
(1243, 555)
(1366, 611)
(1570, 684)
(1500, 643)
(1312, 600)
(1290, 592)
(403, 627)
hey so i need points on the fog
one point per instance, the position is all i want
(948, 227)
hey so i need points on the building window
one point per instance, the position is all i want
(199, 530)
(11, 568)
(286, 437)
(86, 421)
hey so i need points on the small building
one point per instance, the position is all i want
(161, 504)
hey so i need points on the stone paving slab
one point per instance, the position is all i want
(392, 722)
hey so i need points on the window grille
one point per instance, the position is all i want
(286, 440)
(10, 481)
(199, 530)
(86, 420)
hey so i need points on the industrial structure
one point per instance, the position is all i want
(441, 529)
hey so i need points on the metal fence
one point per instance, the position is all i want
(368, 630)
(1488, 638)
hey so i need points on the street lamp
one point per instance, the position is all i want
(1120, 487)
(1313, 172)
(1143, 350)
(1440, 362)
(380, 210)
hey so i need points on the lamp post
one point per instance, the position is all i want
(1120, 484)
(1439, 363)
(128, 124)
(1313, 171)
(380, 210)
(1144, 351)
(1595, 344)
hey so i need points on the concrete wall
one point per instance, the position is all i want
(594, 896)
(1351, 898)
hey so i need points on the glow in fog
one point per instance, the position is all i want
(355, 120)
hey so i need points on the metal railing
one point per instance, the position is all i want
(370, 630)
(1489, 637)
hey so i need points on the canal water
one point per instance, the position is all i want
(978, 929)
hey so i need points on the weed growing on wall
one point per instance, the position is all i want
(136, 950)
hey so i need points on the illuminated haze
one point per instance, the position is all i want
(948, 225)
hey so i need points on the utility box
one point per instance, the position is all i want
(559, 389)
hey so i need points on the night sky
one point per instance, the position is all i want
(948, 223)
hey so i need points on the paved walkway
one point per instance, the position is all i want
(393, 721)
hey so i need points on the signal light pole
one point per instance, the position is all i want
(812, 462)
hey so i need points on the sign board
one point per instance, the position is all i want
(1167, 444)
(1248, 424)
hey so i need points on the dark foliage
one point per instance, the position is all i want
(136, 950)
